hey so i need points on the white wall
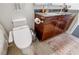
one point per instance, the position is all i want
(5, 15)
(73, 25)
(7, 10)
(78, 19)
(73, 6)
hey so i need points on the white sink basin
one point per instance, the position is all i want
(51, 14)
(54, 14)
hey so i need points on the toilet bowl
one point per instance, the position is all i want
(22, 36)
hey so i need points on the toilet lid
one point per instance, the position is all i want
(22, 37)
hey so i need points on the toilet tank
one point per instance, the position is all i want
(19, 22)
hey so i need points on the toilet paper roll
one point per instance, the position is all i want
(37, 21)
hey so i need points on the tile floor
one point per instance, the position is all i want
(13, 50)
(64, 44)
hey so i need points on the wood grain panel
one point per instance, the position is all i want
(52, 25)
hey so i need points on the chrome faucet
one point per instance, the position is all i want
(64, 8)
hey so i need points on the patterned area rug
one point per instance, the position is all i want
(64, 44)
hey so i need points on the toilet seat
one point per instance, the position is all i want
(22, 37)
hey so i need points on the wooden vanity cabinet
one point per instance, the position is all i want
(52, 25)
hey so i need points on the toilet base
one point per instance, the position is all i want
(27, 51)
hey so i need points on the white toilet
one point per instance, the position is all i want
(22, 35)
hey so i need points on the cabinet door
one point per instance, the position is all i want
(39, 30)
(49, 31)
